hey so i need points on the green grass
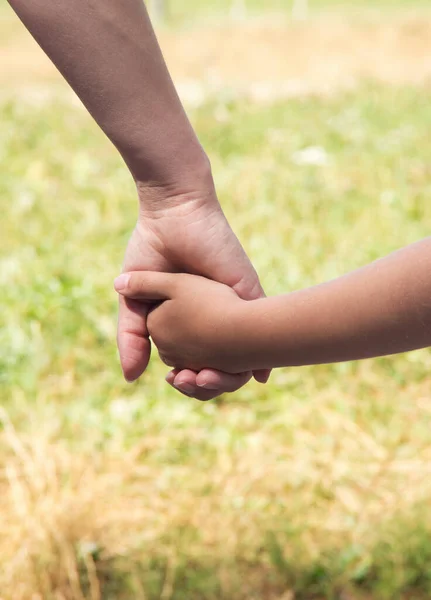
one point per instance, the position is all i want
(316, 483)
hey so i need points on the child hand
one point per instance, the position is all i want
(197, 323)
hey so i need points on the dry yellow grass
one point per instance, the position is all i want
(72, 516)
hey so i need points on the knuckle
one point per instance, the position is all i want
(137, 282)
(140, 282)
(166, 360)
(152, 321)
(155, 319)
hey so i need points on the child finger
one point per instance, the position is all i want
(145, 285)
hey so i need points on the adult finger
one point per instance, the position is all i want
(206, 384)
(211, 379)
(262, 375)
(132, 338)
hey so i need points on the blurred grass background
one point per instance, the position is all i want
(315, 486)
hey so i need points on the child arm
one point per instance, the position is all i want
(383, 308)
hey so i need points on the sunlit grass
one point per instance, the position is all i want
(314, 484)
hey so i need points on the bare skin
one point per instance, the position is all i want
(109, 54)
(383, 308)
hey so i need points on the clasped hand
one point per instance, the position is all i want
(190, 234)
(195, 322)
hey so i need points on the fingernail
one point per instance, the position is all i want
(170, 378)
(207, 385)
(187, 388)
(122, 281)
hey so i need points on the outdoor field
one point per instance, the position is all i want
(316, 486)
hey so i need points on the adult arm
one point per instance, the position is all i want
(107, 51)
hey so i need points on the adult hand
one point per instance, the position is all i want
(109, 54)
(185, 232)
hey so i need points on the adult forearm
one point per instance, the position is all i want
(383, 308)
(107, 51)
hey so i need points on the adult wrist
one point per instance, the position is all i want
(193, 182)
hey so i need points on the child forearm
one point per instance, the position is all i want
(383, 308)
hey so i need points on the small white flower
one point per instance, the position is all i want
(192, 93)
(123, 409)
(313, 155)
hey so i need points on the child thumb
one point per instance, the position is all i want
(145, 285)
